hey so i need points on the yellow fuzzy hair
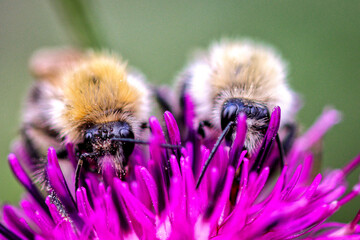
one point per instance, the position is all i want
(96, 92)
(247, 71)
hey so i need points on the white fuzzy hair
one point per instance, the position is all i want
(238, 69)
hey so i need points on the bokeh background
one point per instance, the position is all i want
(319, 39)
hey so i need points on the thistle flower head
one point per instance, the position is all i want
(238, 198)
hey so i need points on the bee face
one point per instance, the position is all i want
(102, 139)
(257, 117)
(232, 108)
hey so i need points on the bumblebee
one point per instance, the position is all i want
(230, 78)
(91, 99)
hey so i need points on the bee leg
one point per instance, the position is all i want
(290, 137)
(29, 145)
(79, 166)
(201, 128)
(77, 173)
(162, 99)
(281, 151)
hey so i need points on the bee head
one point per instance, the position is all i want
(257, 113)
(100, 138)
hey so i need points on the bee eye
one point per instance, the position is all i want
(253, 110)
(88, 137)
(264, 113)
(228, 114)
(125, 133)
(128, 147)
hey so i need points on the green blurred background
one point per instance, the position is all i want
(319, 39)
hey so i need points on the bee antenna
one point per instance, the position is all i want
(80, 165)
(163, 145)
(213, 151)
(77, 173)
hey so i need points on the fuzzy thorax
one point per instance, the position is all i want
(101, 90)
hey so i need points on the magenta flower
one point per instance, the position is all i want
(238, 198)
